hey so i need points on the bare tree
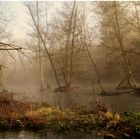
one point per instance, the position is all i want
(45, 47)
(115, 29)
(129, 78)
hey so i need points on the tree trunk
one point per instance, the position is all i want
(137, 15)
(129, 79)
(72, 48)
(45, 47)
(39, 49)
(67, 46)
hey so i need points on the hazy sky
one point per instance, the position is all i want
(19, 24)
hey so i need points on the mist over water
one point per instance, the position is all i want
(25, 84)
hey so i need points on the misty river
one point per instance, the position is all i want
(81, 95)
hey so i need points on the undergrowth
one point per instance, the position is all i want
(32, 116)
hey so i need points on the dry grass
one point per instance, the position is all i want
(21, 115)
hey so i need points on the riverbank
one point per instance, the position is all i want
(16, 115)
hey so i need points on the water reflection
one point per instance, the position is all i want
(81, 96)
(47, 134)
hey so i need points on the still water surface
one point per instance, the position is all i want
(82, 96)
(47, 135)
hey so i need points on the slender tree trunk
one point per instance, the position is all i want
(130, 82)
(95, 68)
(39, 49)
(85, 37)
(72, 48)
(45, 47)
(67, 45)
(60, 62)
(137, 15)
(62, 70)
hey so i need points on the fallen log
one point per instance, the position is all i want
(119, 91)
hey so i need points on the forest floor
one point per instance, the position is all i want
(17, 115)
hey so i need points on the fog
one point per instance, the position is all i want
(55, 48)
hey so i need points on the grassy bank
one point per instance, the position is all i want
(33, 116)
